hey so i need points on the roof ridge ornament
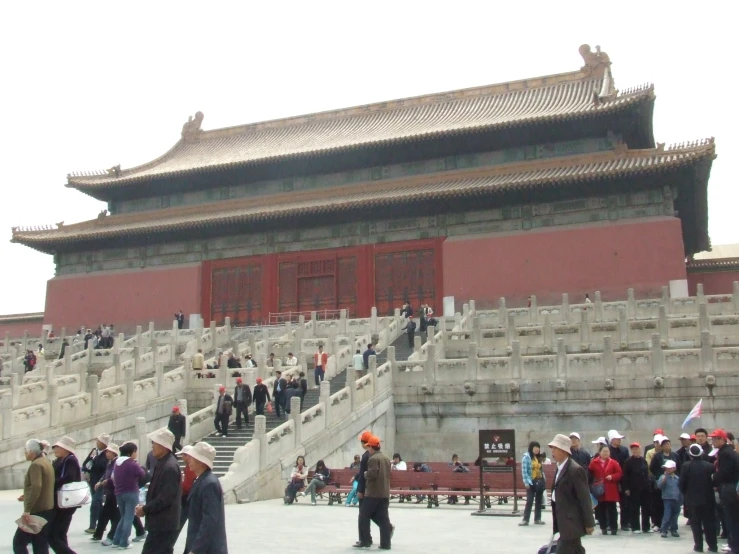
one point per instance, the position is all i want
(598, 66)
(191, 129)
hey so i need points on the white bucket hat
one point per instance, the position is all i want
(67, 443)
(104, 438)
(112, 448)
(203, 452)
(163, 437)
(562, 442)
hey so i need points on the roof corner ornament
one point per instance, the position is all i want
(103, 214)
(598, 66)
(15, 230)
(660, 147)
(191, 129)
(115, 170)
(60, 225)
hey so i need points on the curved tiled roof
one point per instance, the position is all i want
(714, 264)
(469, 183)
(571, 97)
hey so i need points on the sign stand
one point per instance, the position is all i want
(497, 443)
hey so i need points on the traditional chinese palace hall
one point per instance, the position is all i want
(542, 186)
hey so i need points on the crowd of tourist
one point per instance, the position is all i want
(154, 501)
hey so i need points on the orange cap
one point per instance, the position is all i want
(365, 437)
(374, 442)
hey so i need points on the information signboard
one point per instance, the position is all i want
(500, 445)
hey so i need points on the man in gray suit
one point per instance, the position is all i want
(206, 528)
(571, 504)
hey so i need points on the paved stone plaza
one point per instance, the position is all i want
(272, 526)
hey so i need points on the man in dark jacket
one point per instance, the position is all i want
(376, 498)
(66, 470)
(725, 480)
(696, 486)
(93, 469)
(164, 497)
(242, 401)
(361, 480)
(410, 328)
(620, 453)
(224, 406)
(582, 457)
(682, 453)
(278, 392)
(261, 396)
(638, 487)
(206, 528)
(366, 355)
(303, 389)
(178, 426)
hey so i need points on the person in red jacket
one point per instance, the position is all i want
(320, 360)
(606, 474)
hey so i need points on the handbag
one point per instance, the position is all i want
(73, 495)
(598, 489)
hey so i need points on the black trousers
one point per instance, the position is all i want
(623, 508)
(260, 407)
(411, 339)
(58, 529)
(658, 507)
(703, 524)
(177, 446)
(571, 546)
(375, 509)
(221, 423)
(160, 541)
(608, 516)
(241, 409)
(39, 542)
(730, 505)
(640, 501)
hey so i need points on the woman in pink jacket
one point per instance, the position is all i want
(606, 474)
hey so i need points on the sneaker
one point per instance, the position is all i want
(637, 532)
(726, 548)
(675, 534)
(392, 531)
(312, 503)
(139, 538)
(106, 542)
(625, 528)
(540, 522)
(523, 524)
(90, 531)
(663, 535)
(649, 531)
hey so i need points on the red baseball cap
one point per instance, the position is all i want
(239, 381)
(365, 437)
(633, 444)
(719, 434)
(692, 437)
(222, 389)
(175, 408)
(659, 432)
(374, 442)
(259, 380)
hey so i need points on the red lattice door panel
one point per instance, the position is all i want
(403, 276)
(236, 292)
(288, 298)
(347, 285)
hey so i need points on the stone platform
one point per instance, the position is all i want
(302, 528)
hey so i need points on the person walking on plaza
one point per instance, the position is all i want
(178, 426)
(571, 505)
(533, 479)
(620, 454)
(320, 361)
(37, 498)
(361, 478)
(93, 469)
(725, 481)
(261, 396)
(410, 328)
(66, 470)
(358, 361)
(242, 400)
(366, 355)
(638, 487)
(163, 498)
(376, 498)
(198, 362)
(206, 528)
(581, 456)
(696, 486)
(278, 393)
(606, 474)
(224, 405)
(669, 484)
(126, 476)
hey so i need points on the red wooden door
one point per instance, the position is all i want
(408, 275)
(325, 282)
(236, 292)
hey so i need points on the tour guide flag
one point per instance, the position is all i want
(695, 413)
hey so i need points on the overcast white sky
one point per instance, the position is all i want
(88, 85)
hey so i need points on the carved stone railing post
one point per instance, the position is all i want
(325, 397)
(50, 373)
(213, 331)
(15, 391)
(533, 311)
(373, 320)
(142, 437)
(658, 359)
(548, 332)
(6, 344)
(476, 331)
(707, 352)
(561, 359)
(472, 362)
(565, 308)
(665, 301)
(466, 312)
(67, 360)
(431, 331)
(703, 321)
(609, 362)
(199, 338)
(623, 326)
(6, 407)
(252, 345)
(151, 342)
(458, 321)
(154, 354)
(699, 295)
(83, 372)
(260, 432)
(511, 330)
(297, 418)
(129, 377)
(417, 344)
(630, 304)
(54, 407)
(159, 378)
(598, 307)
(391, 358)
(584, 328)
(92, 387)
(735, 296)
(137, 359)
(187, 369)
(227, 325)
(90, 354)
(431, 363)
(342, 321)
(515, 359)
(24, 341)
(176, 331)
(139, 331)
(351, 382)
(663, 325)
(502, 312)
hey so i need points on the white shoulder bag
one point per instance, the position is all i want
(73, 495)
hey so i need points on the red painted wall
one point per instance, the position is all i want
(16, 330)
(610, 257)
(125, 298)
(714, 282)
